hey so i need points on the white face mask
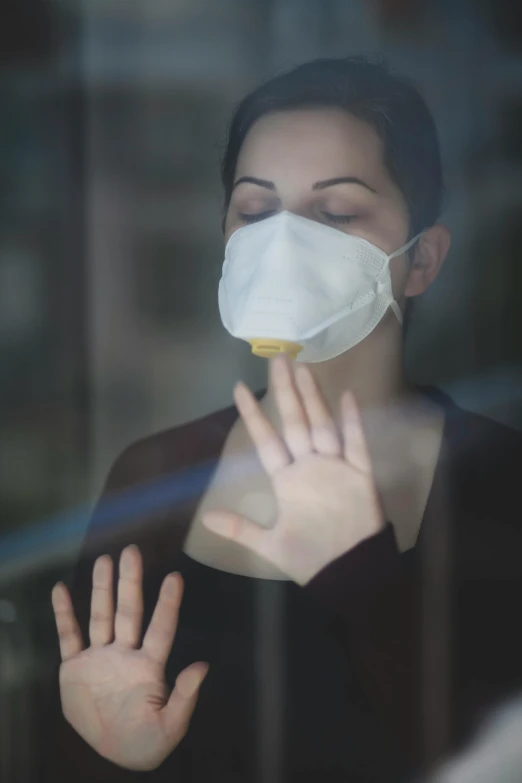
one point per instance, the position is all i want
(293, 285)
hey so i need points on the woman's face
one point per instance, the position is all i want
(325, 165)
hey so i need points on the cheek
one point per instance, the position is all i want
(231, 223)
(392, 223)
(229, 230)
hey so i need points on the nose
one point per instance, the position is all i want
(301, 209)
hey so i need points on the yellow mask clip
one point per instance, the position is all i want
(269, 348)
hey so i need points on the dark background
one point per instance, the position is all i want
(112, 114)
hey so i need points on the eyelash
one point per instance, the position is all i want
(263, 215)
(339, 218)
(257, 217)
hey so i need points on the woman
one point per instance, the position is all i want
(324, 529)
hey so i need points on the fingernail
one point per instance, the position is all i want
(100, 566)
(197, 679)
(171, 586)
(201, 674)
(126, 560)
(192, 680)
(240, 387)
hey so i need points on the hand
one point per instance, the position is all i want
(322, 478)
(114, 692)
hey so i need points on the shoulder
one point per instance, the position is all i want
(482, 443)
(146, 496)
(485, 460)
(476, 440)
(170, 450)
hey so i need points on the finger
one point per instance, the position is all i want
(182, 701)
(355, 446)
(271, 449)
(69, 634)
(129, 610)
(236, 527)
(296, 428)
(160, 634)
(323, 431)
(101, 625)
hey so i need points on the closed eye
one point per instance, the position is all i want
(339, 218)
(254, 218)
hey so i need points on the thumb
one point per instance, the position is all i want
(182, 701)
(236, 527)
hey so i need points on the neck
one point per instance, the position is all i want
(373, 370)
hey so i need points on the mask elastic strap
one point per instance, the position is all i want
(393, 304)
(396, 310)
(380, 289)
(405, 247)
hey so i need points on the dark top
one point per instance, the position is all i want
(378, 666)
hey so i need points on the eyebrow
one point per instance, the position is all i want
(263, 183)
(327, 183)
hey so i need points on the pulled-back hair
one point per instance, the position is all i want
(366, 89)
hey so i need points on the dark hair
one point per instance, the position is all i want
(366, 89)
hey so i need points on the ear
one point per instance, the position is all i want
(430, 252)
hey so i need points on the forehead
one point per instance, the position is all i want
(313, 144)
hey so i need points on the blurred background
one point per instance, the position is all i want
(113, 114)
